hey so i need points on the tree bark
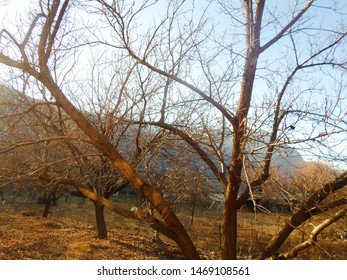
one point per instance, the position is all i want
(230, 225)
(100, 220)
(253, 26)
(47, 201)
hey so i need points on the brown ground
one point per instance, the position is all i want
(69, 233)
(25, 235)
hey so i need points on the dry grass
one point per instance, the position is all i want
(69, 233)
(25, 235)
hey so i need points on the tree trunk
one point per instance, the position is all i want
(239, 127)
(128, 172)
(193, 210)
(47, 201)
(49, 198)
(230, 225)
(100, 220)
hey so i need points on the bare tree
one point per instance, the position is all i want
(46, 32)
(219, 90)
(181, 42)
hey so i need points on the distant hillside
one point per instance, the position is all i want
(6, 98)
(288, 159)
(285, 157)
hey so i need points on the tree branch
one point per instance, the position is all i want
(287, 27)
(306, 211)
(312, 240)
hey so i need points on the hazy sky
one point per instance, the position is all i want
(10, 8)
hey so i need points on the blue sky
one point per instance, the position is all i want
(322, 16)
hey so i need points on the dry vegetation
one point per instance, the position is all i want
(69, 233)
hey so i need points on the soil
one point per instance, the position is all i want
(69, 233)
(24, 235)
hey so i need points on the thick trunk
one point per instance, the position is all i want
(181, 236)
(100, 220)
(230, 225)
(231, 192)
